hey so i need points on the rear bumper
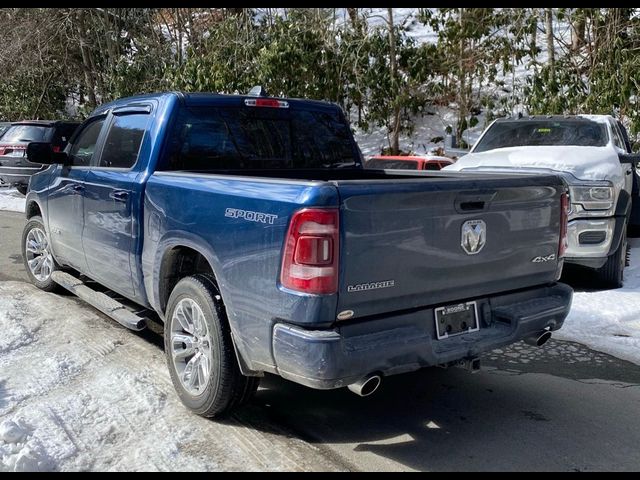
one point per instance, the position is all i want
(405, 342)
(12, 175)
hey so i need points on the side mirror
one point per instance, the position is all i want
(629, 158)
(41, 152)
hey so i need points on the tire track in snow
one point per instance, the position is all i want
(98, 397)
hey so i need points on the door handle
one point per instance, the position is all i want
(467, 202)
(77, 188)
(119, 195)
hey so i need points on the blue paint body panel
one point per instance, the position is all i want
(117, 226)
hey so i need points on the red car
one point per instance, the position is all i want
(431, 162)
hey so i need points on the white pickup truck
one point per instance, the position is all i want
(593, 154)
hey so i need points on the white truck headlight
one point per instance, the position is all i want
(592, 197)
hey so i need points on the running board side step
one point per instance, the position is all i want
(99, 300)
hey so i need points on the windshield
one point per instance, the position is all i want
(219, 138)
(390, 163)
(26, 133)
(522, 133)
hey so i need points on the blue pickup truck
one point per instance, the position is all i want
(249, 225)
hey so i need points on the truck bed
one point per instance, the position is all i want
(337, 174)
(400, 237)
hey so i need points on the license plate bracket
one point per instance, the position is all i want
(452, 320)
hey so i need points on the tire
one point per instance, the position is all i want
(34, 232)
(22, 188)
(612, 273)
(223, 388)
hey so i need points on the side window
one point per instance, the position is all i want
(63, 133)
(82, 150)
(67, 132)
(123, 141)
(431, 166)
(624, 136)
(617, 138)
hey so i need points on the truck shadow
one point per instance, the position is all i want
(581, 279)
(527, 410)
(437, 420)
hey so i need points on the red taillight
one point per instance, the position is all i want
(310, 259)
(564, 219)
(266, 102)
(55, 148)
(7, 149)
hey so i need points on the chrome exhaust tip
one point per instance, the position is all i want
(538, 339)
(366, 385)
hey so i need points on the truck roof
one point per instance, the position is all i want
(209, 99)
(44, 123)
(557, 118)
(584, 117)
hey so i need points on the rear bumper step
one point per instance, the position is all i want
(99, 300)
(407, 341)
(531, 310)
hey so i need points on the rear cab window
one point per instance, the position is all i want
(212, 138)
(432, 166)
(27, 133)
(389, 163)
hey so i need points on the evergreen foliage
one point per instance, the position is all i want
(575, 60)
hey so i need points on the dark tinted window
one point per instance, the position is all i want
(618, 138)
(27, 133)
(82, 150)
(123, 141)
(534, 133)
(431, 166)
(390, 163)
(208, 138)
(4, 128)
(63, 133)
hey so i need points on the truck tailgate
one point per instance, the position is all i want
(402, 240)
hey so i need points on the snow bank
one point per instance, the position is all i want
(80, 393)
(11, 199)
(20, 451)
(427, 127)
(609, 321)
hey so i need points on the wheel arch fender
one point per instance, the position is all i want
(176, 239)
(182, 239)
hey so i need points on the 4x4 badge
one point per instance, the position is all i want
(542, 259)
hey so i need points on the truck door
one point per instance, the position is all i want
(633, 172)
(66, 197)
(112, 200)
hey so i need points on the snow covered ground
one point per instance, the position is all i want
(78, 392)
(609, 320)
(426, 128)
(11, 199)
